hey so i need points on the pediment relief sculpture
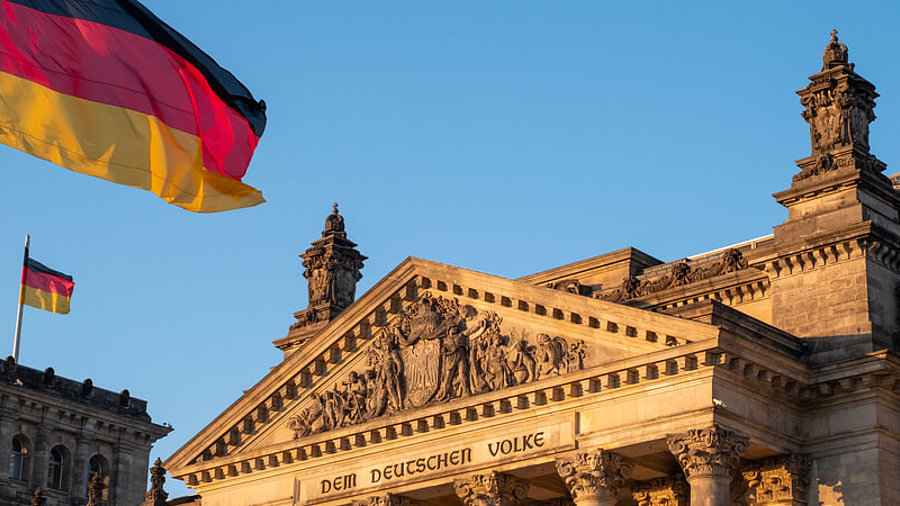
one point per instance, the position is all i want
(436, 350)
(680, 274)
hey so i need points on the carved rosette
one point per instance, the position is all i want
(386, 500)
(661, 492)
(491, 489)
(708, 452)
(597, 474)
(780, 480)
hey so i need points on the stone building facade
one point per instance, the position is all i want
(59, 434)
(761, 373)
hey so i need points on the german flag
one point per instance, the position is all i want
(105, 88)
(44, 288)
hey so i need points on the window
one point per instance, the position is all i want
(99, 466)
(57, 470)
(17, 458)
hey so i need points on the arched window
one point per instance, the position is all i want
(99, 466)
(56, 478)
(17, 457)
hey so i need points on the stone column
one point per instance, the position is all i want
(79, 486)
(709, 458)
(491, 489)
(594, 478)
(661, 492)
(779, 481)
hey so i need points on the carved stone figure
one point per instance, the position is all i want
(95, 490)
(38, 499)
(435, 350)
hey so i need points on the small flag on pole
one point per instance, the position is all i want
(45, 288)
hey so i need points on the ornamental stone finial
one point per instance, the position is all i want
(334, 223)
(711, 452)
(491, 489)
(38, 499)
(156, 496)
(594, 477)
(835, 53)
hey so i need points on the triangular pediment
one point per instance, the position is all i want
(429, 334)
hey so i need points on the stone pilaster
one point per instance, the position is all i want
(491, 489)
(386, 500)
(709, 458)
(79, 486)
(594, 478)
(118, 480)
(661, 492)
(779, 481)
(40, 459)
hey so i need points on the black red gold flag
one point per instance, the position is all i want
(45, 288)
(105, 88)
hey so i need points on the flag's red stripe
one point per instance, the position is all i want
(48, 283)
(96, 62)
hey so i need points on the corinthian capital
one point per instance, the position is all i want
(491, 489)
(597, 474)
(386, 500)
(778, 480)
(708, 452)
(661, 492)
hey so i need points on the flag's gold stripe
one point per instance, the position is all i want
(116, 144)
(48, 301)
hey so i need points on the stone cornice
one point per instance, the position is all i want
(636, 372)
(304, 369)
(582, 266)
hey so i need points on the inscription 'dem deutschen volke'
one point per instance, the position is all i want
(435, 462)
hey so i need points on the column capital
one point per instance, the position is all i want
(779, 480)
(386, 500)
(491, 489)
(708, 452)
(661, 492)
(596, 474)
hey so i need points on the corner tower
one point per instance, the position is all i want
(835, 267)
(332, 269)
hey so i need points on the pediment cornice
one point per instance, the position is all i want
(311, 367)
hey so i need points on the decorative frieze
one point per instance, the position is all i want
(491, 489)
(708, 452)
(661, 492)
(596, 475)
(679, 274)
(436, 350)
(777, 481)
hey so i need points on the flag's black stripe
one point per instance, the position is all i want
(36, 266)
(131, 16)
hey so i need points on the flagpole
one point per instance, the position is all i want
(21, 300)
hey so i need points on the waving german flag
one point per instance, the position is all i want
(44, 288)
(105, 88)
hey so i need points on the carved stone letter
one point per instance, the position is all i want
(594, 478)
(709, 458)
(491, 489)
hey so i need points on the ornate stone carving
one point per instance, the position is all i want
(386, 500)
(434, 351)
(38, 499)
(597, 474)
(572, 286)
(680, 274)
(708, 452)
(780, 480)
(838, 105)
(156, 496)
(95, 490)
(661, 492)
(332, 268)
(491, 489)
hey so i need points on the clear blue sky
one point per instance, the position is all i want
(504, 136)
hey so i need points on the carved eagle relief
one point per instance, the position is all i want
(436, 350)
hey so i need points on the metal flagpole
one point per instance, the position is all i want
(21, 300)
